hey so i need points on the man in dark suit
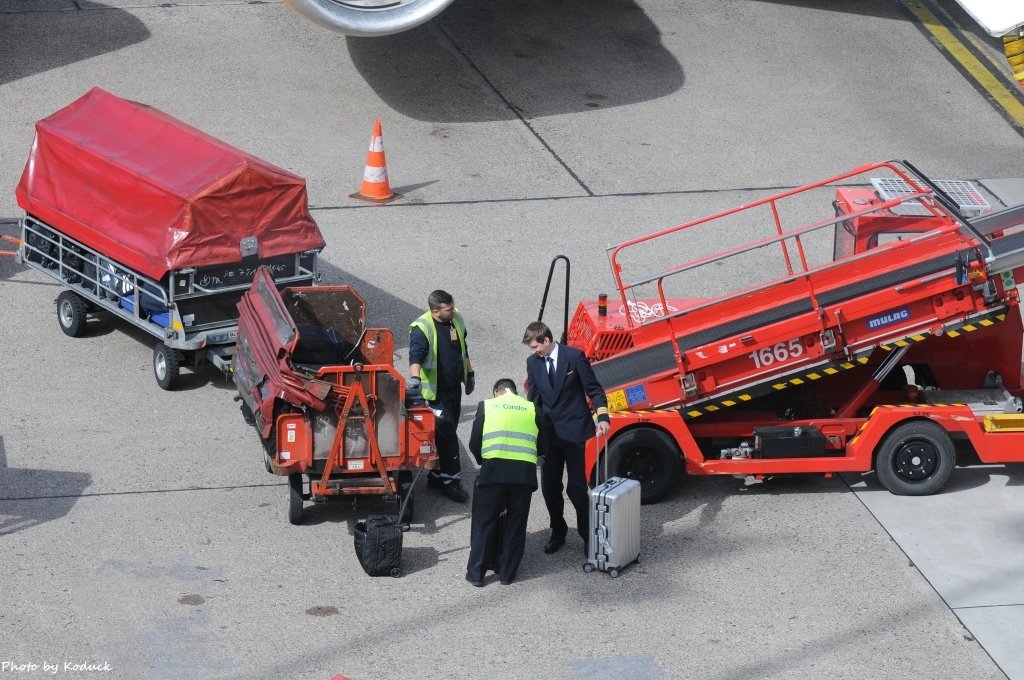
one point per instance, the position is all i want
(560, 380)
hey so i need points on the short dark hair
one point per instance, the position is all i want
(537, 331)
(505, 384)
(438, 298)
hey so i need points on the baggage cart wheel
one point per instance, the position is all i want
(915, 459)
(396, 572)
(166, 366)
(72, 312)
(588, 568)
(648, 456)
(295, 499)
(613, 572)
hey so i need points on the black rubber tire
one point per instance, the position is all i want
(72, 312)
(915, 459)
(166, 366)
(295, 513)
(648, 456)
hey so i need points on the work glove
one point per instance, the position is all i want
(412, 388)
(470, 383)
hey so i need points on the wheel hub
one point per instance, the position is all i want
(636, 465)
(916, 461)
(66, 315)
(160, 365)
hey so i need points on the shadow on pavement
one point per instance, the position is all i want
(65, 37)
(32, 485)
(547, 57)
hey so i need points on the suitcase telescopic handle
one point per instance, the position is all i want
(603, 452)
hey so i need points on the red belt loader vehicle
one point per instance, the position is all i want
(884, 335)
(324, 396)
(141, 216)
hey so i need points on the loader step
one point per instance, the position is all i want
(1010, 422)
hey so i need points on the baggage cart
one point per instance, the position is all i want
(155, 223)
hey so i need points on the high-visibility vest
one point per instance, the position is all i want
(510, 429)
(428, 369)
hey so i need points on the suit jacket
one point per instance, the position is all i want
(563, 408)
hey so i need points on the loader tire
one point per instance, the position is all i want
(295, 499)
(648, 456)
(72, 312)
(915, 459)
(166, 366)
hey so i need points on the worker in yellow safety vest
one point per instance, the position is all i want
(439, 365)
(504, 443)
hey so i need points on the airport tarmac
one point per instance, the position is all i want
(138, 528)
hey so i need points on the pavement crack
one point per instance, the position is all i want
(137, 492)
(512, 107)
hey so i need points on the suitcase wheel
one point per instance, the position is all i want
(588, 567)
(613, 572)
(396, 572)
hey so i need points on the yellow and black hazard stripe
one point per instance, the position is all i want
(830, 368)
(954, 330)
(809, 374)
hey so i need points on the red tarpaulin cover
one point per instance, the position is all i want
(155, 194)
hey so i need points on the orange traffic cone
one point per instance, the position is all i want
(376, 188)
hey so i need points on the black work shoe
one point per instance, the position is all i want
(455, 492)
(479, 583)
(553, 544)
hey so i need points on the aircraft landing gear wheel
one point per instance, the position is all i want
(588, 568)
(295, 499)
(166, 366)
(72, 312)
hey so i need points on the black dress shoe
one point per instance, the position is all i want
(479, 583)
(554, 544)
(506, 581)
(455, 492)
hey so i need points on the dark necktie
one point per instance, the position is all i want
(551, 371)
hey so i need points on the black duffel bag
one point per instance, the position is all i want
(378, 543)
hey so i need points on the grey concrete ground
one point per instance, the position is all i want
(138, 527)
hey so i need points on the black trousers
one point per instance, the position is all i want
(568, 456)
(489, 501)
(449, 468)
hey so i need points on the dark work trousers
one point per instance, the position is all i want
(567, 455)
(449, 468)
(489, 501)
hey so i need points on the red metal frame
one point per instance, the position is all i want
(353, 391)
(846, 323)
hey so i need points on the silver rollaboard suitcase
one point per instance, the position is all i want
(614, 524)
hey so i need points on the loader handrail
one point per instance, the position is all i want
(781, 237)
